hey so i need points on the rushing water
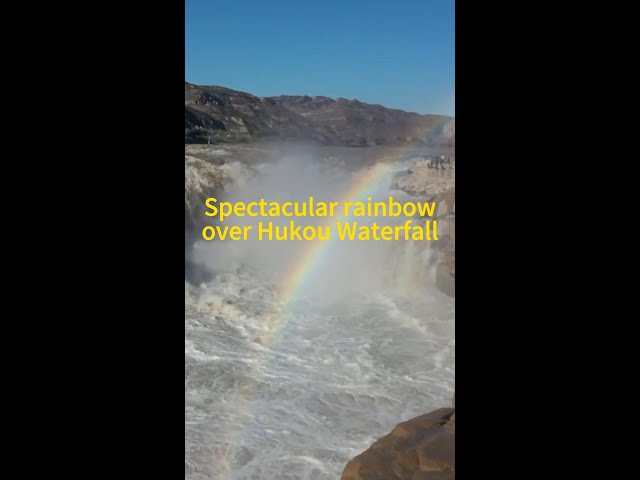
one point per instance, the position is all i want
(368, 342)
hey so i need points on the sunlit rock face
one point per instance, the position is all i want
(422, 448)
(421, 180)
(218, 114)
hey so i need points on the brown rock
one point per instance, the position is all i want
(437, 451)
(422, 448)
(445, 280)
(218, 114)
(451, 424)
(423, 475)
(450, 262)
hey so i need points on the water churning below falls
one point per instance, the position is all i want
(333, 379)
(368, 343)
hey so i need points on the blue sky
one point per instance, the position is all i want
(400, 53)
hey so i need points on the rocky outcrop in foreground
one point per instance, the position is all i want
(217, 114)
(422, 448)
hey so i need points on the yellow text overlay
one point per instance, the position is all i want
(419, 226)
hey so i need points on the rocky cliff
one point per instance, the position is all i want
(217, 114)
(208, 172)
(422, 448)
(437, 185)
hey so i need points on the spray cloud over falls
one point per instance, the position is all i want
(347, 267)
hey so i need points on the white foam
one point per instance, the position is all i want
(369, 344)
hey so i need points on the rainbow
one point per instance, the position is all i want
(306, 263)
(314, 252)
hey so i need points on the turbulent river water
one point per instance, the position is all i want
(366, 342)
